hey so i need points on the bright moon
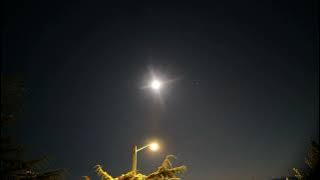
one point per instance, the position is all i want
(154, 147)
(156, 84)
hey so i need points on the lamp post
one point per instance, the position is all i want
(152, 147)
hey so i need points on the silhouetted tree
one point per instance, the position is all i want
(312, 162)
(12, 164)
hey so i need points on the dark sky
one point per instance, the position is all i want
(244, 101)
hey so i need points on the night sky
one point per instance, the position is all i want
(242, 100)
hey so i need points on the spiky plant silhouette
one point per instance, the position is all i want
(164, 172)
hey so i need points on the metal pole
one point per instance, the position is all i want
(134, 160)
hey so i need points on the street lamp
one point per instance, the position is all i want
(151, 146)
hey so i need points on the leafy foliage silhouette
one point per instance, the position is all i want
(12, 164)
(312, 162)
(164, 172)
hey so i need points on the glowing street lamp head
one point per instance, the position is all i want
(154, 147)
(156, 84)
